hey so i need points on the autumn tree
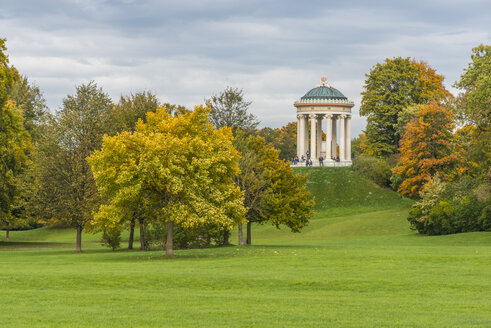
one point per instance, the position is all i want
(428, 148)
(272, 192)
(389, 88)
(229, 108)
(179, 168)
(66, 189)
(15, 144)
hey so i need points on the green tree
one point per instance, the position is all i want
(126, 113)
(475, 102)
(66, 189)
(389, 88)
(474, 106)
(230, 109)
(272, 192)
(179, 167)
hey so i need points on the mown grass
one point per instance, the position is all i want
(363, 268)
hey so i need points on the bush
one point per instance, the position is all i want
(111, 238)
(446, 208)
(185, 238)
(376, 169)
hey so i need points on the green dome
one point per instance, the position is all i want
(323, 92)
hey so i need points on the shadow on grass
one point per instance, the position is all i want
(23, 245)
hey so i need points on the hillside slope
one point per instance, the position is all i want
(340, 190)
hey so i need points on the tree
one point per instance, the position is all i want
(475, 102)
(474, 106)
(230, 109)
(272, 192)
(15, 144)
(180, 167)
(389, 88)
(428, 148)
(66, 189)
(126, 113)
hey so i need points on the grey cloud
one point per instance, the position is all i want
(275, 50)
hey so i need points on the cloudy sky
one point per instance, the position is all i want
(275, 50)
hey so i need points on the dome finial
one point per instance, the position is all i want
(324, 82)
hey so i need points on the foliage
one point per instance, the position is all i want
(451, 207)
(283, 139)
(427, 148)
(15, 146)
(389, 88)
(111, 238)
(179, 168)
(125, 114)
(474, 107)
(375, 168)
(229, 108)
(65, 188)
(272, 192)
(475, 102)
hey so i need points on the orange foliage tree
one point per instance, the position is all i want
(428, 148)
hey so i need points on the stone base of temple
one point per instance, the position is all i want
(325, 164)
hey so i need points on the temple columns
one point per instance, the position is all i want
(328, 137)
(313, 135)
(342, 138)
(348, 138)
(319, 137)
(334, 142)
(314, 147)
(300, 136)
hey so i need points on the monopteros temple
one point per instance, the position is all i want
(324, 109)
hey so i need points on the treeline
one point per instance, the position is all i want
(181, 177)
(428, 144)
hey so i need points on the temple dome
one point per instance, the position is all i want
(323, 91)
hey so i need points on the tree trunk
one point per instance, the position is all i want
(143, 244)
(170, 236)
(79, 239)
(7, 233)
(249, 226)
(241, 237)
(132, 234)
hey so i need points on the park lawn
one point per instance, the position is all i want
(335, 273)
(357, 264)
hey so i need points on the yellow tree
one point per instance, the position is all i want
(179, 169)
(428, 147)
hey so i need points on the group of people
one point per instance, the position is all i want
(308, 161)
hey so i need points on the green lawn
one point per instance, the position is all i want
(355, 265)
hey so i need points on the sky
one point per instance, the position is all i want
(276, 51)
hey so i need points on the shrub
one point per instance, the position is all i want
(376, 169)
(446, 208)
(111, 238)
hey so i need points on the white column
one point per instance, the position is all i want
(334, 137)
(313, 134)
(342, 150)
(299, 135)
(348, 138)
(328, 137)
(305, 135)
(319, 136)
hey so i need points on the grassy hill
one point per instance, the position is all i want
(357, 264)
